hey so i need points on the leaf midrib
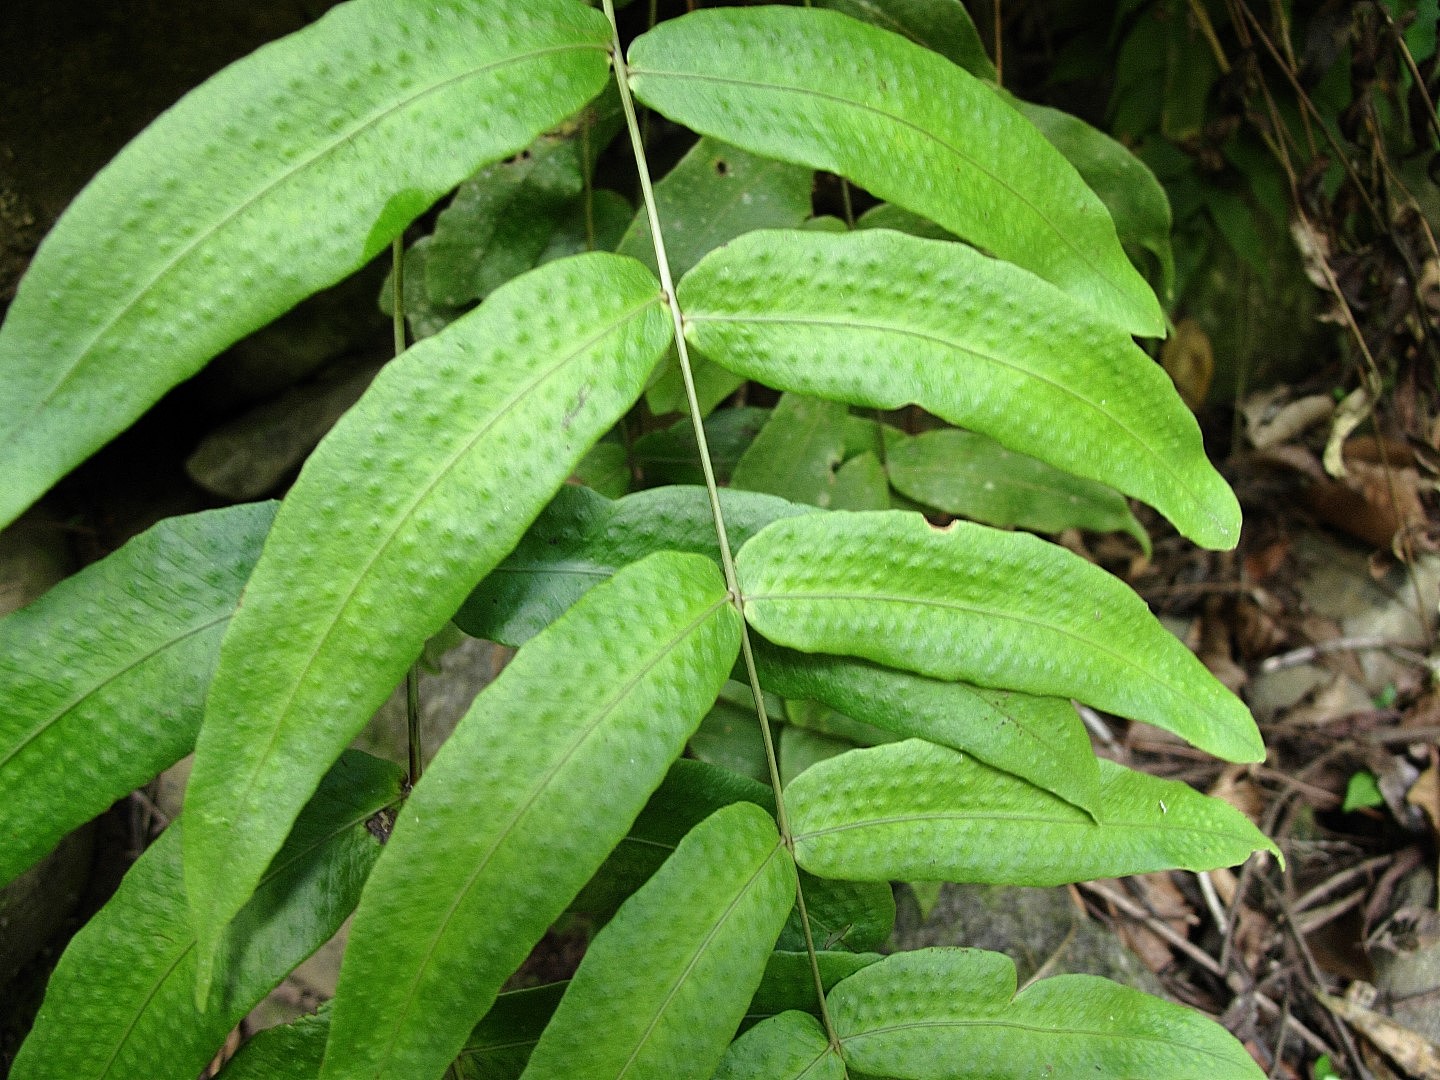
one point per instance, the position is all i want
(571, 567)
(929, 473)
(1019, 817)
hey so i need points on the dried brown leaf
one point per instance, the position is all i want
(1189, 360)
(1352, 411)
(1166, 904)
(1425, 793)
(1237, 787)
(1410, 1050)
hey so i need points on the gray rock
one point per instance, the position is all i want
(1031, 926)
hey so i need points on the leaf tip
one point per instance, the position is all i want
(1217, 523)
(1238, 739)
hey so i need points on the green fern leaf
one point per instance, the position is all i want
(902, 1017)
(664, 984)
(821, 89)
(913, 811)
(1005, 610)
(977, 342)
(282, 174)
(538, 784)
(413, 497)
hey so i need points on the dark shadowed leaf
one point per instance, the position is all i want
(104, 678)
(972, 476)
(582, 538)
(1040, 739)
(121, 1002)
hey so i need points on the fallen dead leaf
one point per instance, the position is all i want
(1352, 411)
(1425, 793)
(1253, 934)
(1167, 904)
(1314, 248)
(1258, 632)
(1408, 1049)
(1393, 452)
(1342, 696)
(1261, 564)
(1271, 421)
(1373, 502)
(1238, 788)
(1189, 360)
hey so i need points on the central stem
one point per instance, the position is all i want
(697, 420)
(415, 758)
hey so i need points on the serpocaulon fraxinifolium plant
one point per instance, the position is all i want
(920, 679)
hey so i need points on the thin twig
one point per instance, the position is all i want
(1310, 108)
(1096, 725)
(1278, 1054)
(1310, 921)
(1207, 30)
(1212, 901)
(1405, 736)
(1317, 980)
(1413, 68)
(1053, 960)
(1160, 927)
(1361, 643)
(1336, 882)
(413, 753)
(999, 44)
